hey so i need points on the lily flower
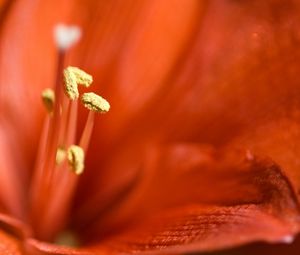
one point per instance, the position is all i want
(199, 151)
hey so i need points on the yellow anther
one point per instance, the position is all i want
(82, 77)
(75, 158)
(71, 87)
(48, 98)
(60, 155)
(73, 77)
(95, 103)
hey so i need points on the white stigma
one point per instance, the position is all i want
(66, 36)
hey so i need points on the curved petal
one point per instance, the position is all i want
(197, 199)
(278, 140)
(197, 228)
(201, 202)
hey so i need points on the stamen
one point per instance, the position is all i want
(66, 36)
(48, 98)
(82, 77)
(60, 155)
(71, 88)
(76, 158)
(74, 76)
(95, 103)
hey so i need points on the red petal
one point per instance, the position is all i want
(197, 228)
(278, 140)
(171, 208)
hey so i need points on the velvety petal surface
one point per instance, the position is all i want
(237, 200)
(199, 229)
(278, 140)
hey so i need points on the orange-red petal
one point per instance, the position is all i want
(197, 199)
(198, 228)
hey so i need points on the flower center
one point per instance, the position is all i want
(60, 158)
